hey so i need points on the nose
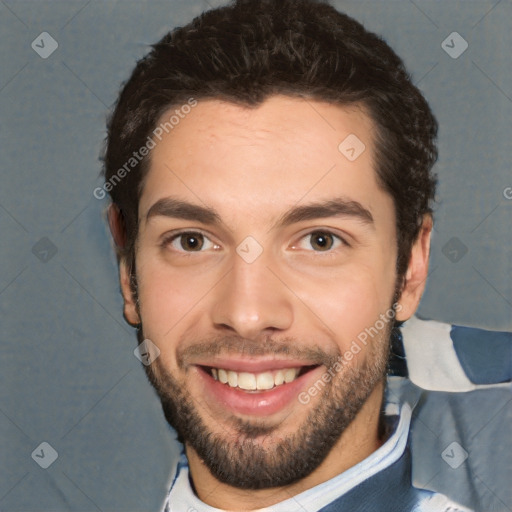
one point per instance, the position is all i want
(252, 301)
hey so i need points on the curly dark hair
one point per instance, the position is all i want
(252, 49)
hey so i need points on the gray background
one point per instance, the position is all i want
(67, 370)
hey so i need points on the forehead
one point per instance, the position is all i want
(256, 159)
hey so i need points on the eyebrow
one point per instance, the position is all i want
(338, 207)
(169, 207)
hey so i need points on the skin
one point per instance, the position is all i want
(252, 166)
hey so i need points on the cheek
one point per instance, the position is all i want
(352, 301)
(170, 299)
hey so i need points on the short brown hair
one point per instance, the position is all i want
(253, 49)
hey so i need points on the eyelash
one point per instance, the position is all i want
(174, 236)
(326, 232)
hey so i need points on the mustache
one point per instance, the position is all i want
(227, 346)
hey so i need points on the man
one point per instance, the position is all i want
(270, 168)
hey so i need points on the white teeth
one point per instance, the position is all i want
(279, 378)
(247, 381)
(264, 380)
(232, 379)
(253, 381)
(290, 374)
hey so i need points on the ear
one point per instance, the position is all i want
(118, 231)
(131, 313)
(417, 271)
(117, 226)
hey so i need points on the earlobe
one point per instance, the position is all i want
(417, 271)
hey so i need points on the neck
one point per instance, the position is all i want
(358, 441)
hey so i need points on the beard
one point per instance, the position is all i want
(241, 460)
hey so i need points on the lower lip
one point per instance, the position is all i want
(260, 403)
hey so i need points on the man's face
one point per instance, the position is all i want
(262, 253)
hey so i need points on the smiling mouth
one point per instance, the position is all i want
(260, 381)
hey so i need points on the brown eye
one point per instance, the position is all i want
(191, 241)
(321, 241)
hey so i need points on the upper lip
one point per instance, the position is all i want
(253, 365)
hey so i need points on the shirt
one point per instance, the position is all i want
(432, 460)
